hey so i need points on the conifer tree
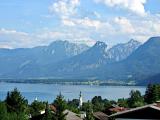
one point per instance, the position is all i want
(16, 102)
(152, 93)
(60, 105)
(148, 94)
(17, 106)
(36, 106)
(48, 114)
(89, 112)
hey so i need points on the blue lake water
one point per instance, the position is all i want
(48, 92)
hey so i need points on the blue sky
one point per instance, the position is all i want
(29, 23)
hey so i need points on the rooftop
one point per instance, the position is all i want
(71, 115)
(144, 112)
(100, 116)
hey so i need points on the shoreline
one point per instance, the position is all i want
(87, 82)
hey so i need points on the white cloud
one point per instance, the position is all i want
(89, 22)
(83, 22)
(106, 29)
(112, 31)
(64, 8)
(73, 35)
(97, 14)
(75, 28)
(145, 28)
(124, 25)
(68, 22)
(3, 45)
(49, 35)
(13, 38)
(67, 11)
(86, 30)
(12, 32)
(135, 6)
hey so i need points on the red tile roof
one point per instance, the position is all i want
(118, 109)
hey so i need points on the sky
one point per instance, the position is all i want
(29, 23)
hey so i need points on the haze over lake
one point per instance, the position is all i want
(48, 92)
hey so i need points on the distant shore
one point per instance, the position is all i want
(70, 82)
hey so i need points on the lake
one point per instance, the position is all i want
(48, 92)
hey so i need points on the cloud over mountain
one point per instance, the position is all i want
(135, 6)
(79, 21)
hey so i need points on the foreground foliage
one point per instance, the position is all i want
(16, 107)
(60, 105)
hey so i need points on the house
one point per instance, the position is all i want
(100, 116)
(114, 109)
(147, 112)
(117, 109)
(72, 115)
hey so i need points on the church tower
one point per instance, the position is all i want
(80, 100)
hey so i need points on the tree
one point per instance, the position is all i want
(16, 102)
(152, 93)
(98, 104)
(17, 106)
(48, 114)
(20, 116)
(156, 93)
(89, 112)
(107, 104)
(122, 102)
(135, 100)
(73, 105)
(60, 105)
(3, 111)
(36, 107)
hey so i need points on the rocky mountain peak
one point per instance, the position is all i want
(100, 44)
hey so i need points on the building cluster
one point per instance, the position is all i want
(147, 112)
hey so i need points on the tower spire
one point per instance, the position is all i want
(80, 100)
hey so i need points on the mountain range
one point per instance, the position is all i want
(131, 61)
(14, 61)
(143, 62)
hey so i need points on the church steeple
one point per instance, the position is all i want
(80, 100)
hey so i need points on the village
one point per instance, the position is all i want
(137, 106)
